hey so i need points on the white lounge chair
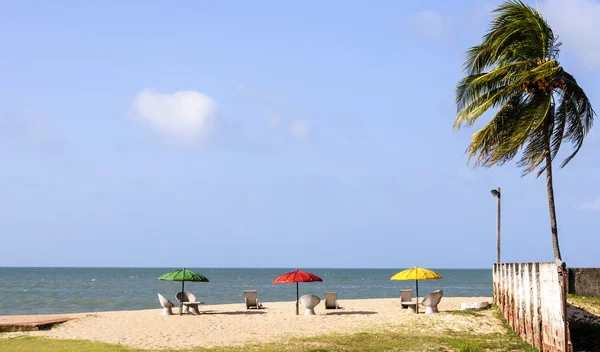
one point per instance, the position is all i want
(431, 301)
(251, 298)
(331, 301)
(309, 302)
(405, 296)
(166, 304)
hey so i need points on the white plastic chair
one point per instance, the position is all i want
(166, 304)
(184, 297)
(431, 301)
(309, 302)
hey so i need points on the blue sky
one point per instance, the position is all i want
(262, 134)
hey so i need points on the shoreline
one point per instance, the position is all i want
(234, 325)
(13, 317)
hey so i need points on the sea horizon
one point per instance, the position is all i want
(233, 267)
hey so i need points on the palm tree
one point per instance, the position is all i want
(539, 105)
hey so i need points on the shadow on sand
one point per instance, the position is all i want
(237, 312)
(585, 329)
(356, 312)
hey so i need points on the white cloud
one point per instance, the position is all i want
(593, 206)
(467, 173)
(186, 115)
(430, 24)
(576, 23)
(300, 129)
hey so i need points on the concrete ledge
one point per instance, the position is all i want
(31, 325)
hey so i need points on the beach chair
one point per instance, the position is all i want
(431, 301)
(166, 304)
(188, 300)
(309, 302)
(405, 296)
(251, 298)
(331, 301)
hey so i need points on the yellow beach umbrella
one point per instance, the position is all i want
(417, 274)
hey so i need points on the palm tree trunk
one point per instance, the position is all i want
(550, 188)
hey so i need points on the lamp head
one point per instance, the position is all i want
(495, 193)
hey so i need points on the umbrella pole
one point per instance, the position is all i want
(181, 300)
(297, 311)
(417, 282)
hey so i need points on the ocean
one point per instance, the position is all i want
(74, 290)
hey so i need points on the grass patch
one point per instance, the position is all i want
(29, 343)
(591, 304)
(471, 313)
(384, 341)
(470, 349)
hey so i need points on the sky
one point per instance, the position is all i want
(270, 134)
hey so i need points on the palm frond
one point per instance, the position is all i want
(485, 142)
(518, 33)
(576, 94)
(475, 94)
(503, 137)
(535, 149)
(492, 98)
(558, 131)
(577, 114)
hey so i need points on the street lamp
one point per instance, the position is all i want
(496, 193)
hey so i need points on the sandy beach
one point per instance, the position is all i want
(232, 324)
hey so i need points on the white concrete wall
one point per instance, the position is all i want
(530, 296)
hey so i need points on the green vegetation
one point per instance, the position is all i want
(470, 349)
(539, 105)
(591, 304)
(474, 313)
(28, 343)
(465, 312)
(384, 341)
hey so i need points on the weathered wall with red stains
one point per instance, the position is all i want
(584, 281)
(531, 298)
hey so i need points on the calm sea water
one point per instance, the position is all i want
(71, 290)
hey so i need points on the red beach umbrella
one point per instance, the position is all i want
(297, 276)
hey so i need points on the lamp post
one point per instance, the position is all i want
(496, 193)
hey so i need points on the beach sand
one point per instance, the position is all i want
(233, 324)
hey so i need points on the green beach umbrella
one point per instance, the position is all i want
(183, 275)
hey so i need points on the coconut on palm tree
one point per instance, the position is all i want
(515, 71)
